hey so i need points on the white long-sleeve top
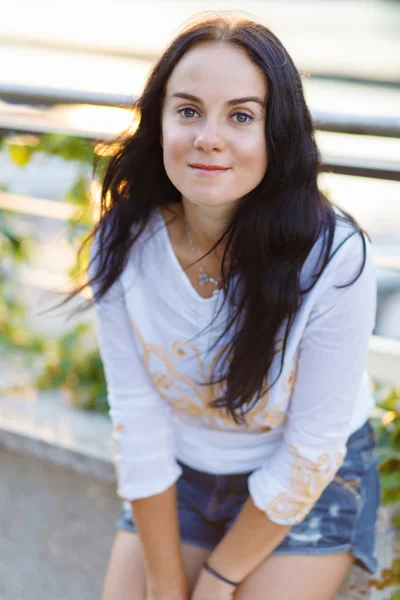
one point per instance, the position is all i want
(295, 438)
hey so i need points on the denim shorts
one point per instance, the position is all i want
(342, 520)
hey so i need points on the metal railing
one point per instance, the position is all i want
(45, 121)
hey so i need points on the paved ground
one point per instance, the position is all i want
(56, 530)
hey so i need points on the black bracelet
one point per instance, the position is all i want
(211, 570)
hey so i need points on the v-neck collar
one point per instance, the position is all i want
(180, 271)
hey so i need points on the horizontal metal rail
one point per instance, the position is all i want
(51, 96)
(46, 123)
(361, 167)
(323, 120)
(357, 124)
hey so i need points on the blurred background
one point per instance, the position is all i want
(69, 71)
(66, 66)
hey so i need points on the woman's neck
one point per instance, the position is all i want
(206, 225)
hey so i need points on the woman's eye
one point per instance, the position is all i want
(242, 114)
(243, 117)
(181, 111)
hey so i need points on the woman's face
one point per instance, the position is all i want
(207, 120)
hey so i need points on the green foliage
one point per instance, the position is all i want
(389, 578)
(79, 226)
(14, 251)
(22, 148)
(20, 155)
(387, 429)
(12, 246)
(67, 362)
(70, 364)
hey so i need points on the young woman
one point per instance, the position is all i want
(234, 305)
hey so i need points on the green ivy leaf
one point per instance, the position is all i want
(396, 520)
(391, 481)
(78, 193)
(20, 154)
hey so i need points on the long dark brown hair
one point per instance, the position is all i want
(275, 226)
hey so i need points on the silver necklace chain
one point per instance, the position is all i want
(203, 277)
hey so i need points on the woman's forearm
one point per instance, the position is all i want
(157, 523)
(248, 542)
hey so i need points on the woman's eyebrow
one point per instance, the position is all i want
(186, 96)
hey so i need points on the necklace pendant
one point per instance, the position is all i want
(203, 278)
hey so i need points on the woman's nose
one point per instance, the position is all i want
(208, 137)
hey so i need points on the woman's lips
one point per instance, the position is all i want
(208, 171)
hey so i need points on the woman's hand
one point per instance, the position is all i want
(209, 587)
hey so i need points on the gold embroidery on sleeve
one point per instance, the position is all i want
(117, 428)
(308, 480)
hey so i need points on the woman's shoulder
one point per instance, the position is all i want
(351, 244)
(147, 241)
(349, 248)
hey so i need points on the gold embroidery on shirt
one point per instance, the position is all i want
(308, 480)
(118, 428)
(183, 391)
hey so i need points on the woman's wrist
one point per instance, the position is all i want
(219, 576)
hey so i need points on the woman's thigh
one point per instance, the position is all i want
(193, 558)
(126, 573)
(296, 577)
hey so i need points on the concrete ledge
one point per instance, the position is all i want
(77, 461)
(46, 426)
